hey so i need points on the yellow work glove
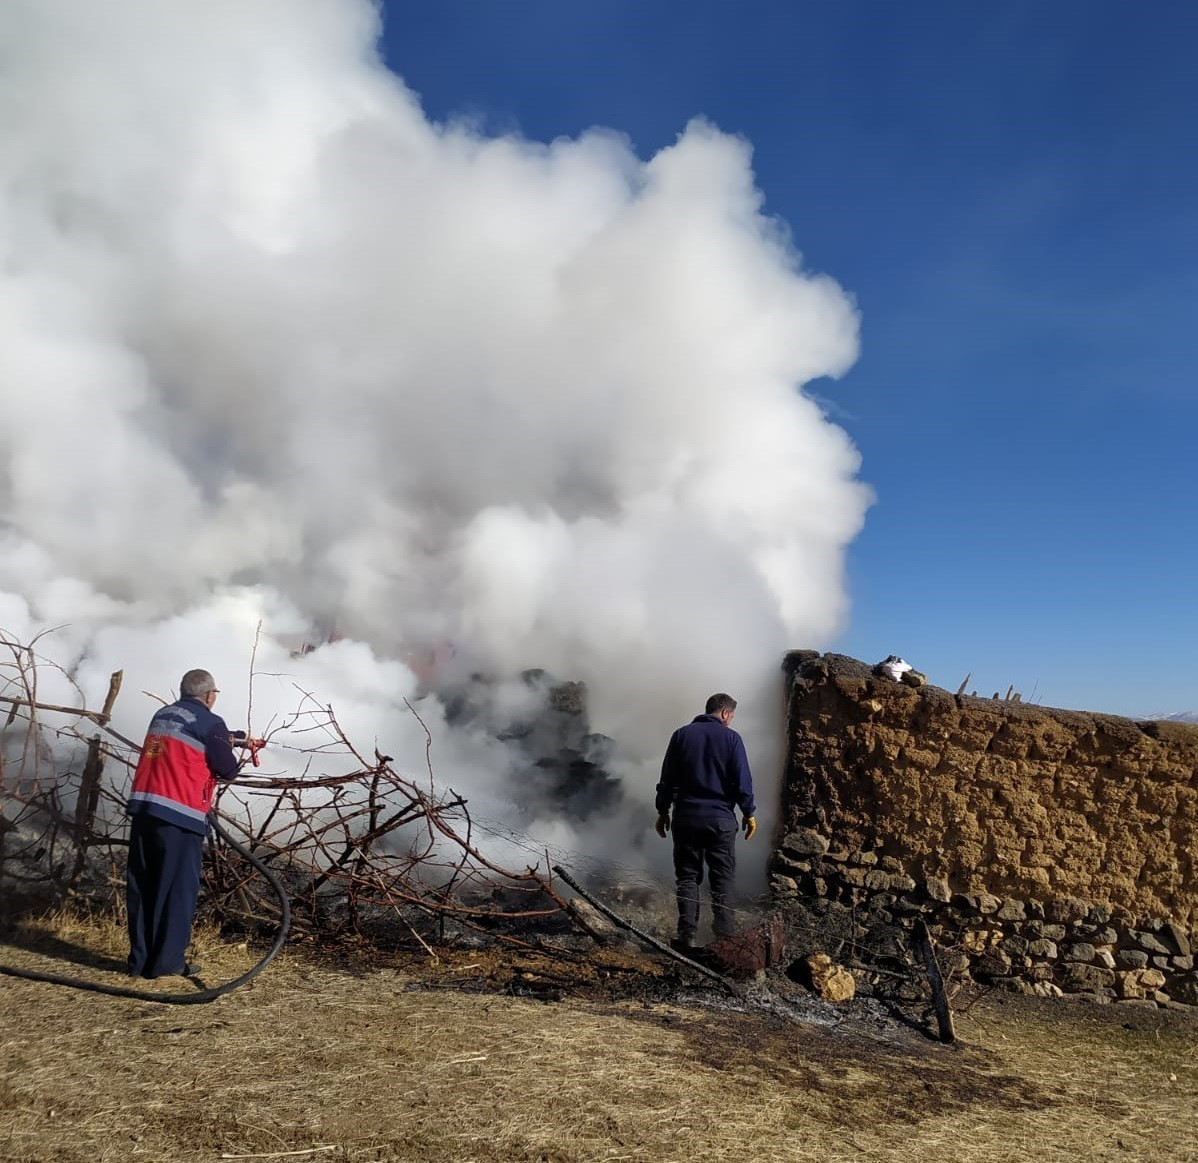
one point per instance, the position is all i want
(662, 826)
(750, 827)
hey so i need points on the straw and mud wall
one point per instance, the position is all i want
(1054, 850)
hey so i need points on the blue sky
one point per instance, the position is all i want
(1007, 190)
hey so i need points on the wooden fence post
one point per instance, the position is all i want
(944, 1015)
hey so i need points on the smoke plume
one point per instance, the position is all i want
(278, 349)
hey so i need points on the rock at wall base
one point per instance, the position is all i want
(1184, 989)
(832, 982)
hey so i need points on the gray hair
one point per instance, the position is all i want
(195, 684)
(720, 702)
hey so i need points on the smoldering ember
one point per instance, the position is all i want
(927, 840)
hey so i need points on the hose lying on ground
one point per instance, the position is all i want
(197, 997)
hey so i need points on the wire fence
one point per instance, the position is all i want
(362, 848)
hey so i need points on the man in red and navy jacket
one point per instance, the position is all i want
(187, 749)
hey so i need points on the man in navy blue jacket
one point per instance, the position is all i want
(705, 774)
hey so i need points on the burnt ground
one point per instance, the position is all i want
(493, 1055)
(782, 1032)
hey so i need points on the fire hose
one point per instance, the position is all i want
(198, 997)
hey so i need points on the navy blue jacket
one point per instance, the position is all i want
(705, 772)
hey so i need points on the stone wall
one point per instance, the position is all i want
(1054, 848)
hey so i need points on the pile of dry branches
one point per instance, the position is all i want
(359, 846)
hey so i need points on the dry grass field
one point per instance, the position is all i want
(355, 1061)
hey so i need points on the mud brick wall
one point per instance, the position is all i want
(1055, 847)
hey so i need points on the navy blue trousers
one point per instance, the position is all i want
(698, 842)
(162, 886)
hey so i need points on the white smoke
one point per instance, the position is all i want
(276, 348)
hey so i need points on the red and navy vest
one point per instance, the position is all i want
(186, 750)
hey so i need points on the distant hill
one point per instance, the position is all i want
(1180, 717)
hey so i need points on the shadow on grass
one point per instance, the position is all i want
(18, 929)
(60, 950)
